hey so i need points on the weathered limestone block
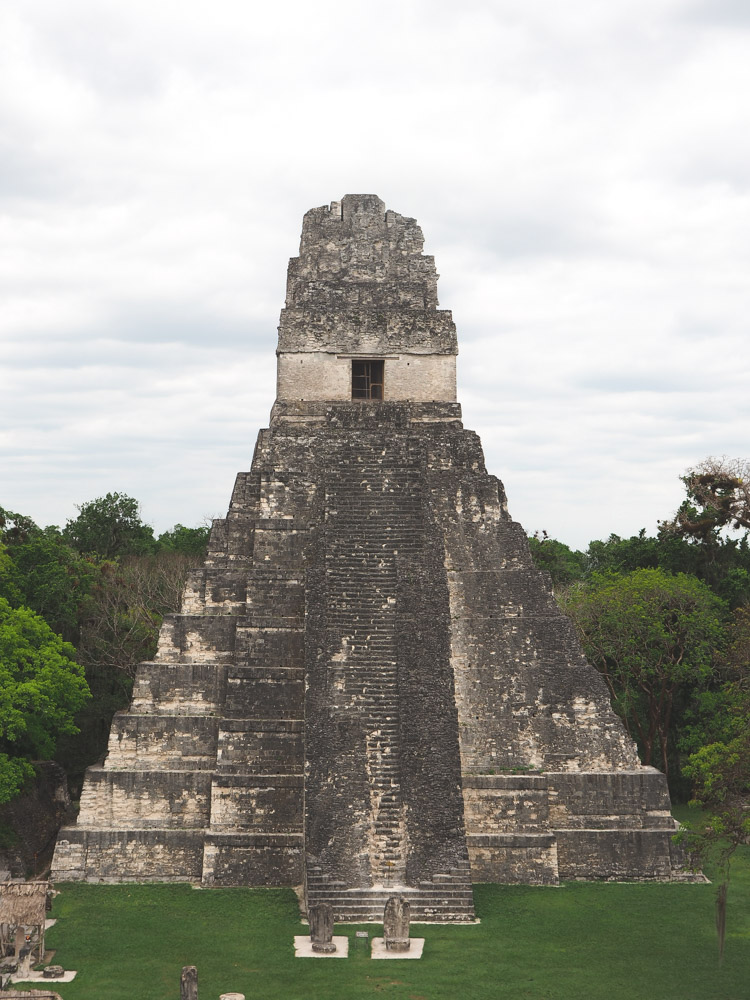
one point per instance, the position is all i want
(197, 639)
(396, 917)
(270, 648)
(273, 598)
(271, 803)
(612, 826)
(261, 746)
(253, 859)
(619, 854)
(223, 591)
(189, 983)
(129, 800)
(627, 798)
(117, 855)
(506, 803)
(178, 688)
(70, 856)
(514, 858)
(265, 692)
(146, 742)
(321, 928)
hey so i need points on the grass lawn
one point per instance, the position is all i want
(582, 940)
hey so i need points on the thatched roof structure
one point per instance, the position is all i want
(23, 903)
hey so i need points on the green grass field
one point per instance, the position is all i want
(582, 940)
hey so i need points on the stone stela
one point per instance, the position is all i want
(370, 690)
(396, 924)
(189, 983)
(320, 918)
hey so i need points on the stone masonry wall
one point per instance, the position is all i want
(361, 287)
(369, 686)
(321, 376)
(383, 792)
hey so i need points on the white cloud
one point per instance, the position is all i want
(580, 171)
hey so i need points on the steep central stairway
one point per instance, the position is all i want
(374, 527)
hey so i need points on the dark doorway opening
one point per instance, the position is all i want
(367, 379)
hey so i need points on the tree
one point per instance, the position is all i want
(41, 689)
(642, 551)
(126, 608)
(712, 715)
(563, 564)
(722, 563)
(720, 773)
(110, 526)
(109, 608)
(718, 497)
(187, 541)
(119, 629)
(16, 527)
(652, 635)
(50, 578)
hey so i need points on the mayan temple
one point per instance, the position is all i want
(369, 687)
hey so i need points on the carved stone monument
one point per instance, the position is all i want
(370, 687)
(189, 983)
(320, 918)
(396, 924)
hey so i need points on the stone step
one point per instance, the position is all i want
(424, 891)
(426, 911)
(359, 897)
(342, 902)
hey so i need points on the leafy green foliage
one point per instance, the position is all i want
(722, 563)
(650, 634)
(720, 773)
(41, 689)
(16, 528)
(641, 551)
(14, 773)
(563, 564)
(110, 526)
(92, 590)
(9, 588)
(186, 541)
(48, 576)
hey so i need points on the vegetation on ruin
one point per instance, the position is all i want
(102, 585)
(653, 636)
(593, 940)
(41, 690)
(704, 549)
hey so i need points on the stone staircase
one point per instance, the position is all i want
(374, 527)
(444, 899)
(254, 836)
(372, 516)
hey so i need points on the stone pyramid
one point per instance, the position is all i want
(370, 688)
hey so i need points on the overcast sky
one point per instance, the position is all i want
(581, 172)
